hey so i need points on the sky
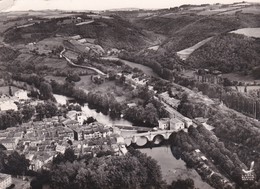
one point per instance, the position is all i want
(106, 4)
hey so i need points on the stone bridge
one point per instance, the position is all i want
(152, 136)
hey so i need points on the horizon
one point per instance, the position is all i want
(25, 5)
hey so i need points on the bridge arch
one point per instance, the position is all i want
(141, 141)
(157, 139)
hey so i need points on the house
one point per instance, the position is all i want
(77, 133)
(60, 148)
(130, 105)
(188, 122)
(197, 150)
(120, 140)
(174, 103)
(18, 135)
(74, 115)
(69, 123)
(40, 159)
(201, 119)
(248, 176)
(65, 133)
(176, 124)
(164, 123)
(5, 181)
(3, 134)
(80, 118)
(9, 143)
(204, 158)
(76, 37)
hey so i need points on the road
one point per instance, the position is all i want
(79, 66)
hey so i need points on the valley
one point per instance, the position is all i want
(89, 99)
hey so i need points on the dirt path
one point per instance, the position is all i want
(79, 66)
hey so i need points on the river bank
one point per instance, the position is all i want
(173, 169)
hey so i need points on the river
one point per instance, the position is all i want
(172, 169)
(100, 117)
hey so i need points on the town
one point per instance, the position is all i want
(139, 98)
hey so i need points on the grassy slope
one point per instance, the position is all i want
(185, 30)
(114, 33)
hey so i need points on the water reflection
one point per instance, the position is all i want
(172, 168)
(99, 116)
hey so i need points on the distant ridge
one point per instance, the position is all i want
(6, 4)
(124, 9)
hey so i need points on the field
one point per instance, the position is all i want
(184, 54)
(250, 32)
(107, 87)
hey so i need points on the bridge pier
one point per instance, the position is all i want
(150, 137)
(167, 135)
(134, 139)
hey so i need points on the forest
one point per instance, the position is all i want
(228, 53)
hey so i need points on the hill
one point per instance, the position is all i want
(108, 32)
(228, 53)
(187, 25)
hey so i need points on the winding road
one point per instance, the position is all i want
(79, 66)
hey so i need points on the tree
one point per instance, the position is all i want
(10, 91)
(73, 78)
(182, 184)
(3, 157)
(81, 59)
(28, 112)
(150, 115)
(134, 170)
(227, 82)
(48, 109)
(90, 120)
(17, 164)
(2, 147)
(69, 155)
(46, 91)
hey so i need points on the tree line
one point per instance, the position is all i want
(245, 103)
(11, 118)
(239, 133)
(163, 65)
(226, 162)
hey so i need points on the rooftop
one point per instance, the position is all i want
(3, 176)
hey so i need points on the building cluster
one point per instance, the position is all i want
(133, 81)
(41, 141)
(171, 124)
(205, 169)
(208, 76)
(173, 102)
